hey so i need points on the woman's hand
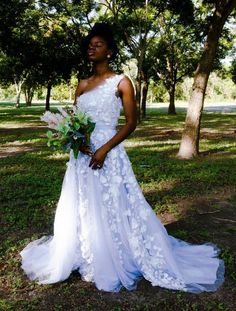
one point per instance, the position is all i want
(98, 158)
(86, 150)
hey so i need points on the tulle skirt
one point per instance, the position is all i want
(105, 229)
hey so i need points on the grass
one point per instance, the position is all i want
(190, 196)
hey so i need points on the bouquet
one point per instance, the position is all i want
(72, 128)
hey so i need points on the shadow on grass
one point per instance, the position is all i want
(30, 184)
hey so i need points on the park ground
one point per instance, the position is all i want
(195, 199)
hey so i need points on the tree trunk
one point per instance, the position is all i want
(145, 85)
(29, 94)
(49, 88)
(171, 109)
(138, 99)
(70, 92)
(189, 146)
(140, 76)
(18, 100)
(18, 86)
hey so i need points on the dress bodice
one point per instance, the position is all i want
(102, 103)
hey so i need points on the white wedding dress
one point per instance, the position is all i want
(104, 227)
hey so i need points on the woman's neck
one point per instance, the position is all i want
(101, 69)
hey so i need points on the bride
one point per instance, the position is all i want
(103, 226)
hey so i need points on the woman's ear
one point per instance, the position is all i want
(109, 54)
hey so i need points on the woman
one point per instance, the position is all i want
(104, 227)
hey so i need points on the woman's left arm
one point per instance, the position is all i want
(126, 92)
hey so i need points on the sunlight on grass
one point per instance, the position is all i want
(58, 156)
(19, 143)
(9, 125)
(137, 143)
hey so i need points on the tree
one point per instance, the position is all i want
(174, 53)
(16, 42)
(189, 146)
(55, 60)
(60, 40)
(139, 24)
(41, 42)
(133, 22)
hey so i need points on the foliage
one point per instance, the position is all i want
(174, 53)
(137, 24)
(233, 70)
(19, 25)
(219, 89)
(40, 43)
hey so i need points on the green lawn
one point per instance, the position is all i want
(188, 195)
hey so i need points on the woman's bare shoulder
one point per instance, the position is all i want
(83, 83)
(125, 83)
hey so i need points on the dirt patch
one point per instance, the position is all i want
(14, 144)
(10, 151)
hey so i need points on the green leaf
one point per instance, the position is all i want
(67, 146)
(76, 150)
(49, 134)
(76, 125)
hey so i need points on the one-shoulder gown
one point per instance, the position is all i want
(104, 227)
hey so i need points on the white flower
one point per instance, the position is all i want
(134, 224)
(105, 196)
(95, 172)
(46, 116)
(114, 227)
(114, 190)
(53, 119)
(127, 213)
(117, 179)
(103, 179)
(144, 213)
(131, 198)
(63, 112)
(58, 117)
(143, 229)
(75, 109)
(134, 242)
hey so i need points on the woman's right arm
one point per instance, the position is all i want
(79, 90)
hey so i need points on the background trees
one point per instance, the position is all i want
(40, 45)
(175, 52)
(17, 42)
(147, 31)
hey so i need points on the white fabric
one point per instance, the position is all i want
(105, 228)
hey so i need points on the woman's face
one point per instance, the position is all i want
(98, 49)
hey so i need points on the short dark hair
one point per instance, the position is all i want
(104, 31)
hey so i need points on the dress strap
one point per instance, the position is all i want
(119, 78)
(117, 82)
